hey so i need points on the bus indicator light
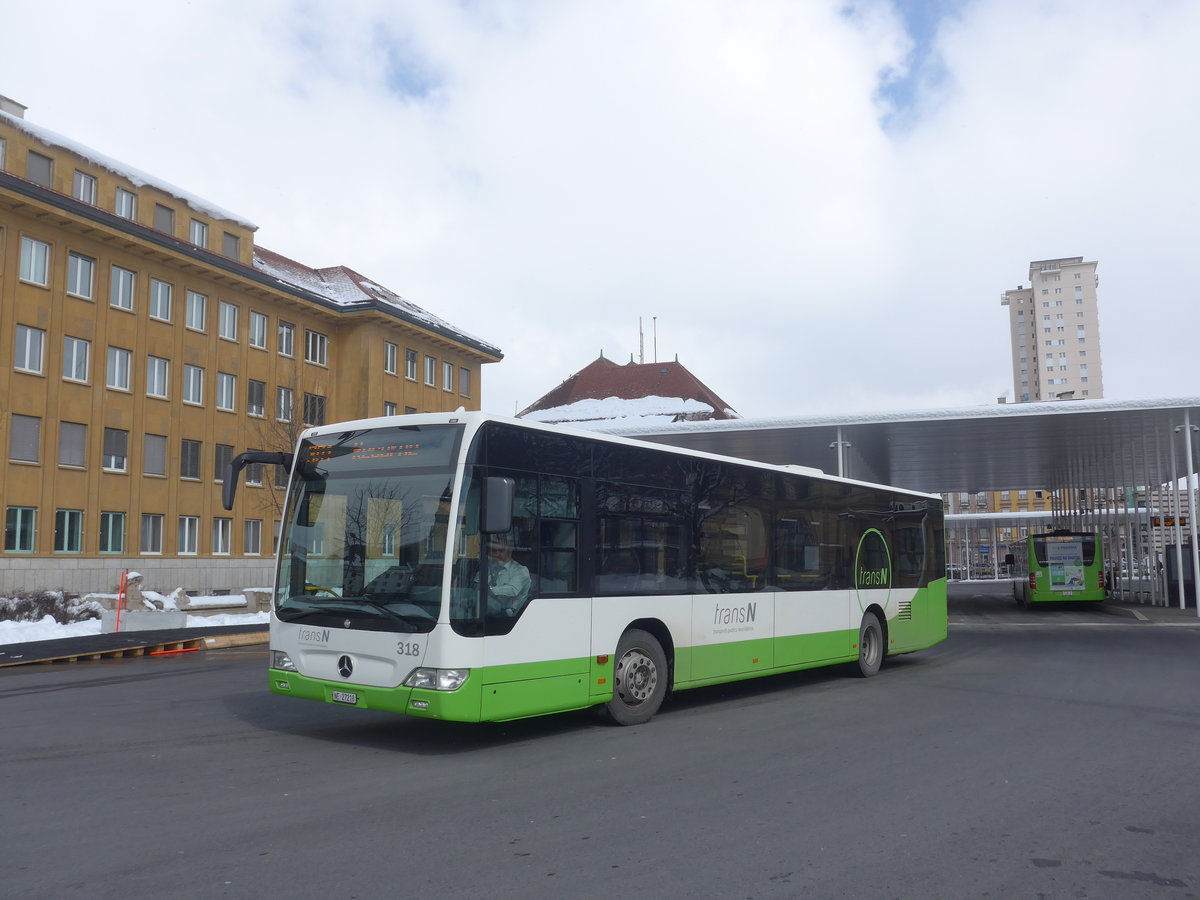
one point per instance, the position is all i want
(602, 659)
(601, 681)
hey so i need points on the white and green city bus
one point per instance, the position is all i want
(646, 569)
(1058, 566)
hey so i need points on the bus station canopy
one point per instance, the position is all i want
(1059, 444)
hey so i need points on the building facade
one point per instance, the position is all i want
(144, 340)
(1055, 331)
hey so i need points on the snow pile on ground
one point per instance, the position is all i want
(51, 615)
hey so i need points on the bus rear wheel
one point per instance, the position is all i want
(870, 645)
(639, 678)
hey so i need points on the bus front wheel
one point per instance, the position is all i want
(870, 645)
(639, 678)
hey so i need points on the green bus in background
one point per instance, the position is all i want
(1060, 565)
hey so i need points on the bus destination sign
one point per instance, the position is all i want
(385, 448)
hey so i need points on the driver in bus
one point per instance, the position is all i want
(508, 580)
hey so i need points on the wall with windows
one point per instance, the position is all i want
(139, 350)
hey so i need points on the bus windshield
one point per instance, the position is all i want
(365, 529)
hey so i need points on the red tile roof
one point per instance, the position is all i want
(603, 378)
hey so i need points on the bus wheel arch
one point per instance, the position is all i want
(872, 641)
(641, 675)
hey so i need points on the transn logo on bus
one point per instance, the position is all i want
(735, 615)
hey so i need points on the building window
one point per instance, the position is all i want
(254, 474)
(24, 438)
(83, 187)
(118, 368)
(231, 245)
(154, 454)
(81, 275)
(31, 343)
(431, 371)
(256, 392)
(316, 347)
(314, 409)
(410, 364)
(447, 376)
(68, 530)
(391, 357)
(227, 316)
(160, 299)
(252, 537)
(116, 450)
(156, 376)
(464, 382)
(35, 261)
(198, 233)
(197, 306)
(189, 534)
(152, 528)
(126, 205)
(226, 391)
(221, 462)
(283, 404)
(75, 359)
(258, 330)
(40, 169)
(20, 528)
(410, 410)
(112, 532)
(164, 219)
(193, 384)
(189, 459)
(389, 409)
(222, 531)
(287, 339)
(72, 444)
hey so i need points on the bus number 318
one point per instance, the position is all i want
(408, 648)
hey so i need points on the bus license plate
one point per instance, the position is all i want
(345, 697)
(1068, 593)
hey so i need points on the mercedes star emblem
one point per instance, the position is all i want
(345, 667)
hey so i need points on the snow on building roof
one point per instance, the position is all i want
(602, 389)
(647, 410)
(345, 287)
(134, 176)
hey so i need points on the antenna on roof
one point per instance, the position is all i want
(654, 321)
(641, 343)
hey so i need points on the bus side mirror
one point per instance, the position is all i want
(498, 496)
(239, 462)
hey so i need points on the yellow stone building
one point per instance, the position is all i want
(144, 340)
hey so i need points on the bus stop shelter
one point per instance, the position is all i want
(1108, 464)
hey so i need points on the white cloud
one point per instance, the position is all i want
(542, 174)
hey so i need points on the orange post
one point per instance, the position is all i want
(121, 597)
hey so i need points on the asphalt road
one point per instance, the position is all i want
(1055, 757)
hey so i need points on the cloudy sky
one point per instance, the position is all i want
(815, 205)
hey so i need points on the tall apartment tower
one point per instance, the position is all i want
(1055, 327)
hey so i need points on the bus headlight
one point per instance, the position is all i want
(280, 660)
(437, 679)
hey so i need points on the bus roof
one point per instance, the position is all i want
(475, 420)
